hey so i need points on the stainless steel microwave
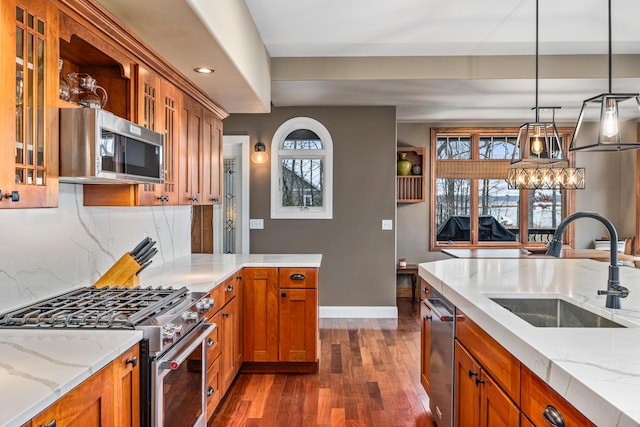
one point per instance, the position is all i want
(99, 147)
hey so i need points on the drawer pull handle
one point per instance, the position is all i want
(51, 424)
(553, 416)
(210, 391)
(472, 373)
(133, 361)
(225, 315)
(297, 276)
(210, 342)
(478, 381)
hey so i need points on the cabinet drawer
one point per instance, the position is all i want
(213, 346)
(499, 363)
(298, 278)
(539, 395)
(217, 294)
(229, 289)
(213, 387)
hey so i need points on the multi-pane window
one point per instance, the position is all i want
(472, 205)
(301, 170)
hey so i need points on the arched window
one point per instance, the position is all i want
(302, 170)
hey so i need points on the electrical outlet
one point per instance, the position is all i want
(256, 224)
(387, 224)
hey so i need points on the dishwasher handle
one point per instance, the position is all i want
(441, 312)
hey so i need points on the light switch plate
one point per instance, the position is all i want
(387, 224)
(256, 224)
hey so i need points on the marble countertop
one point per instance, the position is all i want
(38, 366)
(597, 370)
(203, 272)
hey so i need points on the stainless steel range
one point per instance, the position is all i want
(173, 322)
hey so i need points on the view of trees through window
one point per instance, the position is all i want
(472, 201)
(301, 173)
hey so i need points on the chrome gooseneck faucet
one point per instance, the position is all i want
(614, 291)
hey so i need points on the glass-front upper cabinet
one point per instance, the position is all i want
(28, 146)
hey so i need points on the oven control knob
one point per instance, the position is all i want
(169, 332)
(189, 315)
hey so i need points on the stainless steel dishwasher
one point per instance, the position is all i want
(441, 359)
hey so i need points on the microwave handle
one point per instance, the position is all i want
(179, 359)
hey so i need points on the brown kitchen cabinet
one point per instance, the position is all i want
(289, 295)
(29, 90)
(478, 400)
(224, 345)
(126, 382)
(540, 398)
(200, 163)
(91, 404)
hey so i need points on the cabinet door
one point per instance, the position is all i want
(466, 390)
(496, 409)
(29, 89)
(210, 159)
(260, 308)
(88, 405)
(228, 363)
(298, 325)
(239, 324)
(171, 100)
(148, 115)
(190, 136)
(425, 347)
(126, 380)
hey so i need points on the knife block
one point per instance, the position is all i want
(121, 274)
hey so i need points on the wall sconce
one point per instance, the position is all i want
(259, 154)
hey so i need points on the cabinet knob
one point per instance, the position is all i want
(209, 342)
(163, 198)
(283, 294)
(215, 199)
(50, 424)
(472, 373)
(225, 314)
(553, 416)
(230, 288)
(195, 198)
(297, 276)
(133, 361)
(210, 391)
(479, 381)
(428, 317)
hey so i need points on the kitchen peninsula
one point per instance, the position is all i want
(597, 370)
(41, 365)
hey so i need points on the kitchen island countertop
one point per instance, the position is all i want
(38, 366)
(595, 369)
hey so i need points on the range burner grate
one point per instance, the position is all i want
(119, 308)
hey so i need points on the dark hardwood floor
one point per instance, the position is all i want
(369, 376)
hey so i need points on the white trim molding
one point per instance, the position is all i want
(326, 155)
(359, 312)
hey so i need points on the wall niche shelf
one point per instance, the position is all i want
(411, 188)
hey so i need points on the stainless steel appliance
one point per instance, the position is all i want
(442, 314)
(173, 322)
(99, 147)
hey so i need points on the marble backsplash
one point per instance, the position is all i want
(46, 252)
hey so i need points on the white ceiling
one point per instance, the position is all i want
(315, 46)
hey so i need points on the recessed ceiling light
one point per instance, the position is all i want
(204, 70)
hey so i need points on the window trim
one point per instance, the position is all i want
(326, 154)
(568, 199)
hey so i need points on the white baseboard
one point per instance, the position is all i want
(358, 312)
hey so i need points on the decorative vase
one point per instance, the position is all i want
(404, 165)
(416, 170)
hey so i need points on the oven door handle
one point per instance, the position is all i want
(187, 348)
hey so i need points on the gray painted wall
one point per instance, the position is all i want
(610, 191)
(358, 265)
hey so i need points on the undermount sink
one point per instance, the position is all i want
(554, 313)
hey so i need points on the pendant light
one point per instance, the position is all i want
(538, 148)
(609, 111)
